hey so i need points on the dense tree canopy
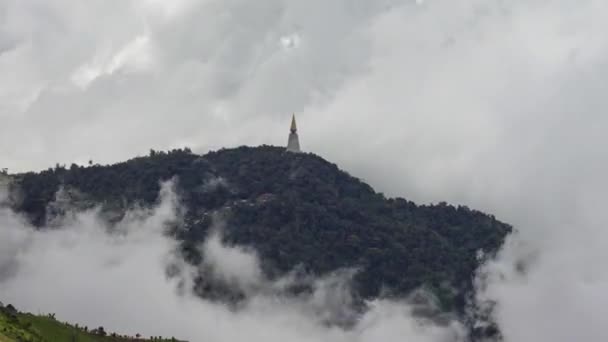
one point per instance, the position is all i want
(296, 210)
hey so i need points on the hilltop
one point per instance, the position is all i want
(296, 210)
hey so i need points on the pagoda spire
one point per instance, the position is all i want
(294, 128)
(293, 143)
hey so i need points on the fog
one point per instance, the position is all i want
(499, 105)
(89, 273)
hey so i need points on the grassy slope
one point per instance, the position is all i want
(12, 330)
(28, 327)
(3, 338)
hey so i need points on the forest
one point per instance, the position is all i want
(297, 210)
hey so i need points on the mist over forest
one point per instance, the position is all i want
(480, 115)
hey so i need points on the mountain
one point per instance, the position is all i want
(297, 210)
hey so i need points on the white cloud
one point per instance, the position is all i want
(87, 275)
(137, 55)
(238, 267)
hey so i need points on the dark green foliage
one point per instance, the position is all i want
(296, 210)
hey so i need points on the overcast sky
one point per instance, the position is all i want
(500, 105)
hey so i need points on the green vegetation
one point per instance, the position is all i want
(295, 210)
(24, 327)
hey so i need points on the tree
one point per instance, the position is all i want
(100, 331)
(11, 309)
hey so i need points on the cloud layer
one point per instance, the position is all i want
(92, 275)
(498, 105)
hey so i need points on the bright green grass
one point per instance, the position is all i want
(52, 330)
(12, 330)
(28, 327)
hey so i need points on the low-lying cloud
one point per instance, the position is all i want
(553, 289)
(90, 273)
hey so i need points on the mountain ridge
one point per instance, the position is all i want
(297, 210)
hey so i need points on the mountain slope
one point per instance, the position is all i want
(295, 210)
(17, 326)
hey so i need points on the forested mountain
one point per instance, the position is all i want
(295, 210)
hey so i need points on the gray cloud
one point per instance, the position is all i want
(498, 105)
(214, 66)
